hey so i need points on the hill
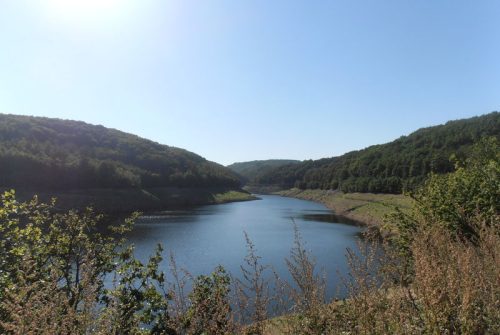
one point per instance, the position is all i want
(392, 167)
(53, 156)
(254, 169)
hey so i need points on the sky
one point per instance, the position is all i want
(258, 79)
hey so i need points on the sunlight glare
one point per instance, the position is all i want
(83, 10)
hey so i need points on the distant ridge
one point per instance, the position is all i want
(251, 170)
(392, 167)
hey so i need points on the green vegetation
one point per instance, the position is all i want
(393, 167)
(438, 273)
(53, 272)
(82, 165)
(434, 269)
(58, 155)
(251, 171)
(462, 202)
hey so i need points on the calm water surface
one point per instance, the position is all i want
(207, 236)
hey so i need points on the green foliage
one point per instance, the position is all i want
(393, 167)
(51, 154)
(60, 248)
(56, 243)
(139, 293)
(470, 194)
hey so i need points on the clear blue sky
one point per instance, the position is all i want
(257, 79)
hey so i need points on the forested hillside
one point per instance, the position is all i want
(392, 167)
(52, 154)
(252, 170)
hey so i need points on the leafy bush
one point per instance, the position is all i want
(54, 266)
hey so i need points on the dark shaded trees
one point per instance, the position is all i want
(41, 153)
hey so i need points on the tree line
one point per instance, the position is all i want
(252, 170)
(393, 167)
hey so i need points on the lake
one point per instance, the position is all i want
(204, 237)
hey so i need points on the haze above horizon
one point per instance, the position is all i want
(237, 81)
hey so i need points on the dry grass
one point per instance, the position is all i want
(454, 289)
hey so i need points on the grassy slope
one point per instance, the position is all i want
(367, 208)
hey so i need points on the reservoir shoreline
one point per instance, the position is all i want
(366, 208)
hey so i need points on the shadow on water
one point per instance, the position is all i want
(330, 218)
